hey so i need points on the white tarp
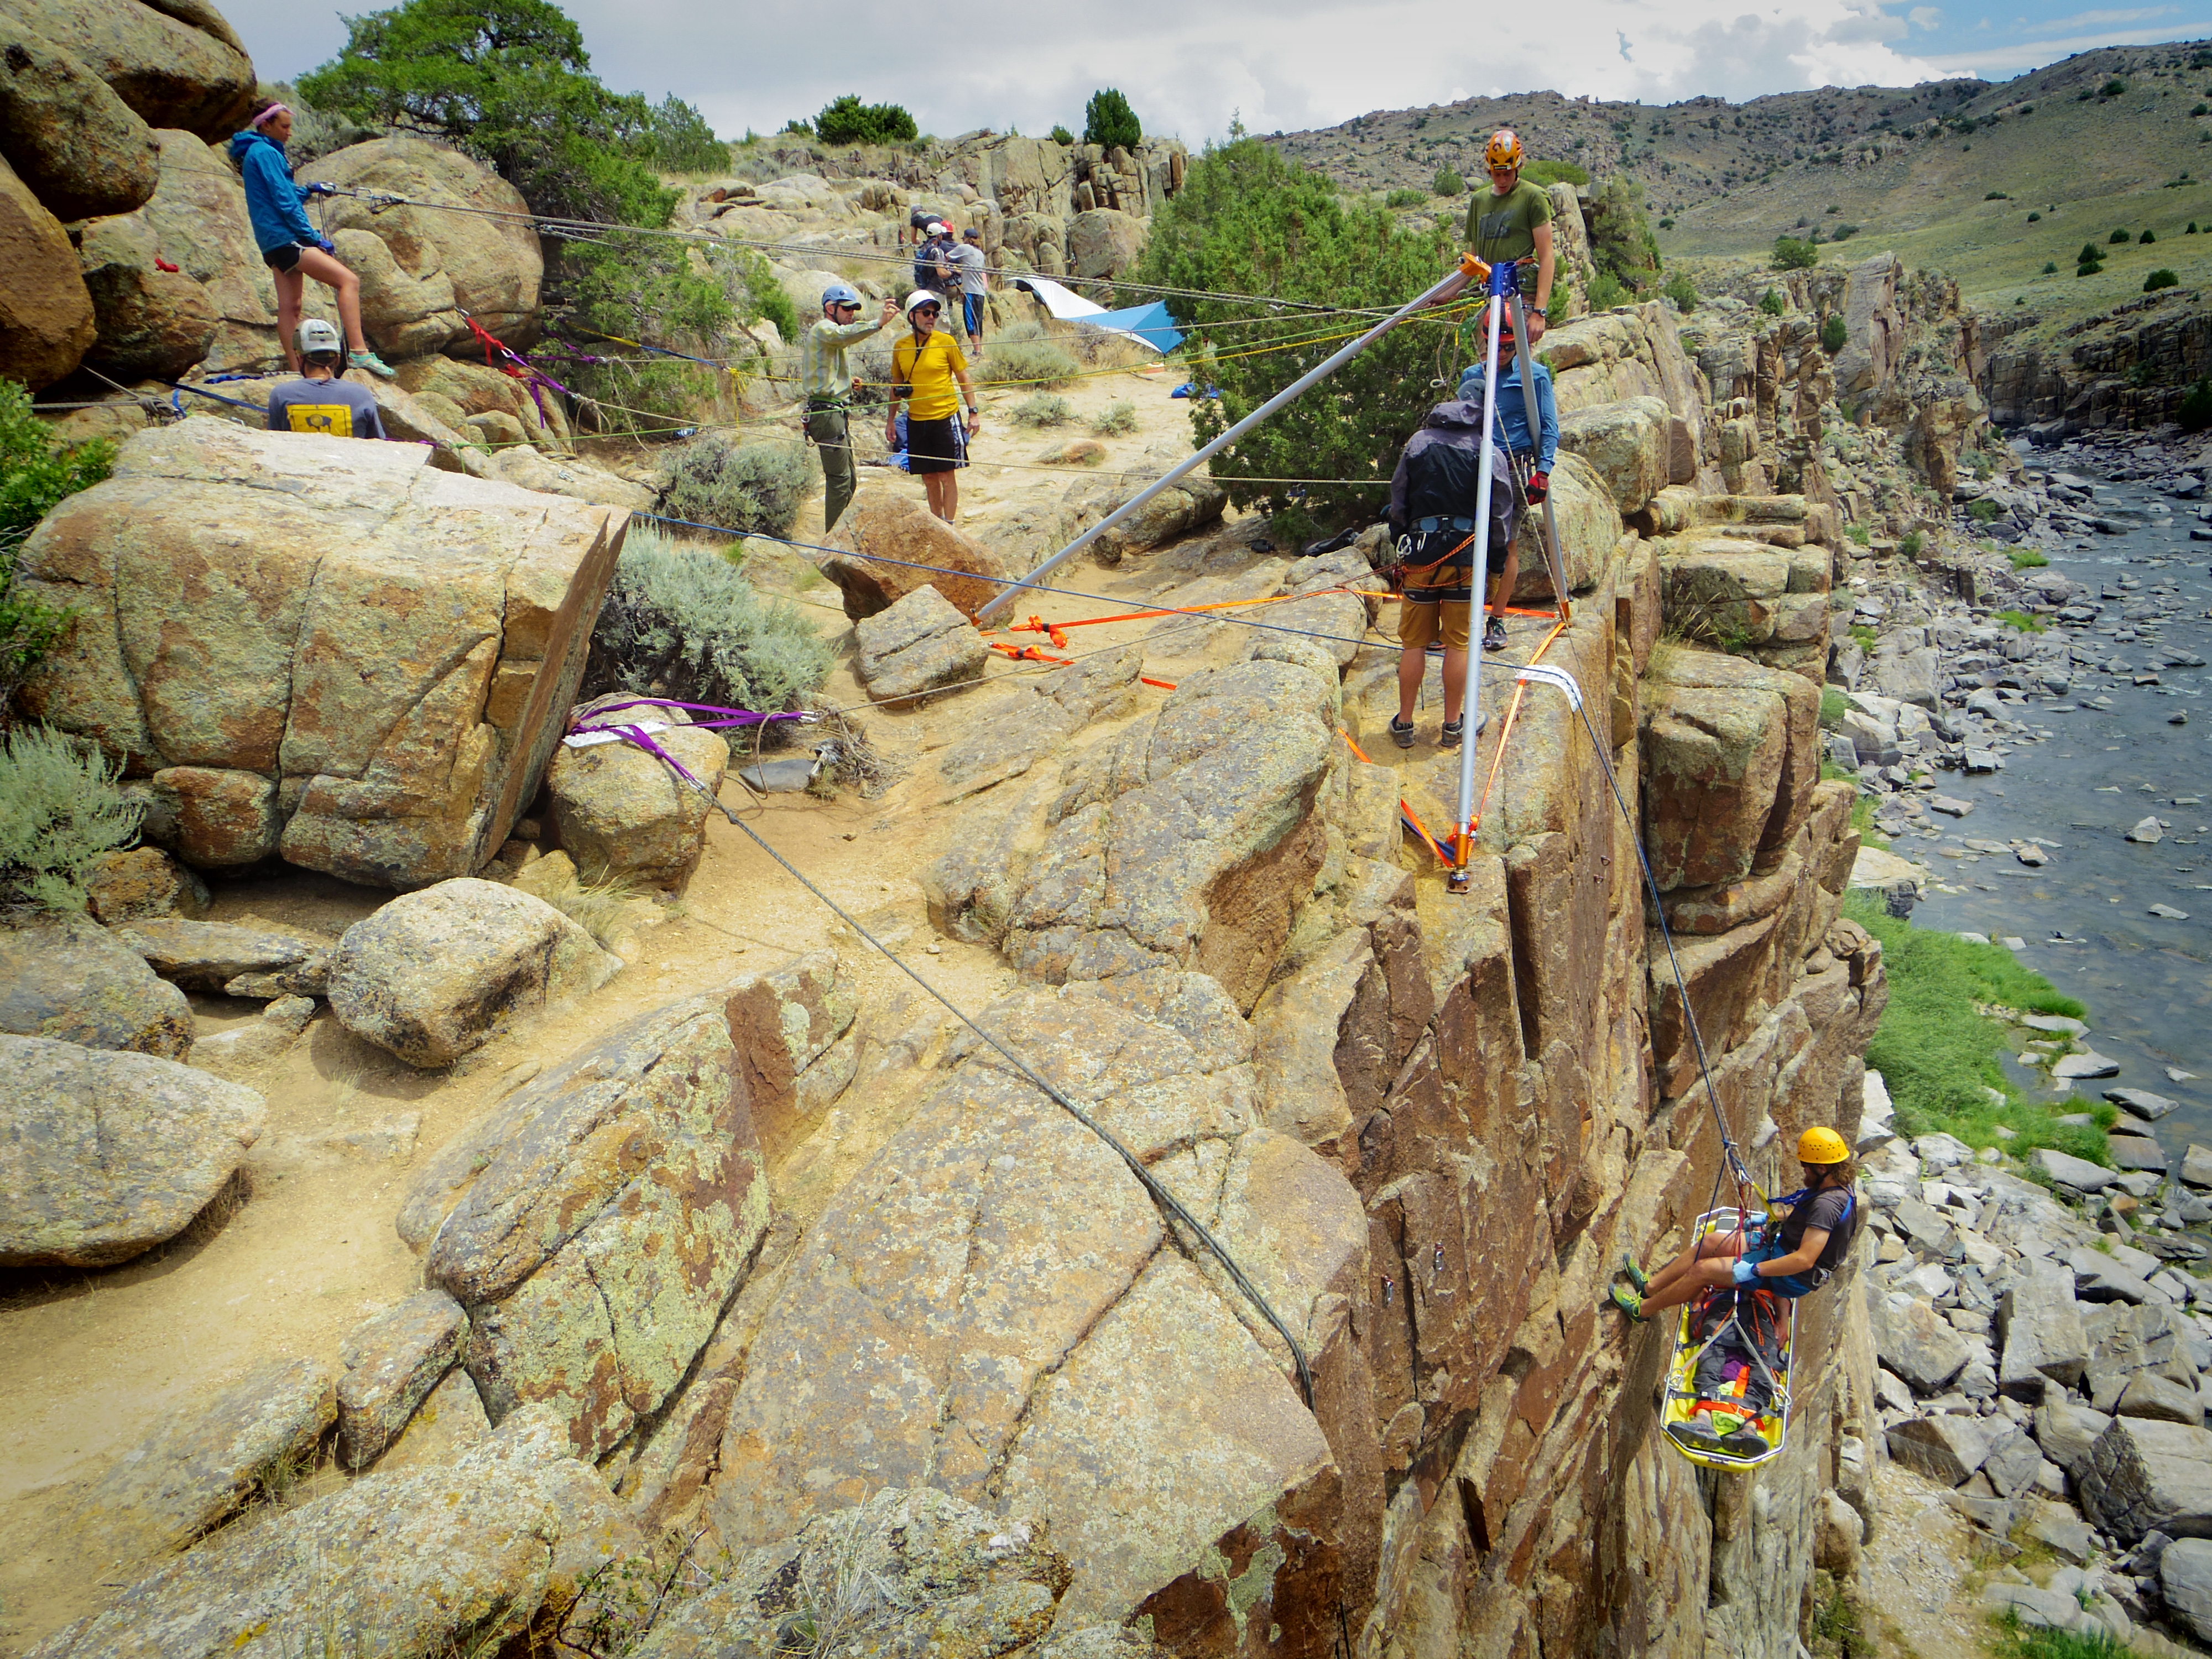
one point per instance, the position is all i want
(1065, 304)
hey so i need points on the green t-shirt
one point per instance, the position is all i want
(1502, 228)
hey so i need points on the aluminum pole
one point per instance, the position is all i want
(1554, 560)
(1502, 276)
(1470, 270)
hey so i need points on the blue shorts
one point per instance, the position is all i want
(971, 310)
(1791, 1286)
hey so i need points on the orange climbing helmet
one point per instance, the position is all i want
(1503, 149)
(1821, 1145)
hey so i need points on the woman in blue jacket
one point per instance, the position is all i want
(1534, 452)
(292, 248)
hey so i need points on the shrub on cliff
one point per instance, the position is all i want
(1108, 120)
(747, 487)
(687, 625)
(1249, 220)
(35, 473)
(59, 811)
(1794, 253)
(849, 121)
(1833, 334)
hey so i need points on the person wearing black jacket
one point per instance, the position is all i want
(1434, 494)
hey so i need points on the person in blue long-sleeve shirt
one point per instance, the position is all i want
(291, 246)
(1537, 452)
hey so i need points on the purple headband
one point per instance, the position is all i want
(273, 109)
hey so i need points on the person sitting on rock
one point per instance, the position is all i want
(318, 401)
(1434, 494)
(292, 248)
(827, 380)
(1789, 1259)
(929, 377)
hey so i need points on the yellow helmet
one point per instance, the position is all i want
(1818, 1145)
(1503, 149)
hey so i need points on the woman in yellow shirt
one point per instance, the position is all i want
(929, 371)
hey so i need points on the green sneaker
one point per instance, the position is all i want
(1637, 1276)
(1629, 1303)
(374, 364)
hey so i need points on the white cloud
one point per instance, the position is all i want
(1289, 64)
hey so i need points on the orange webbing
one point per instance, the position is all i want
(1031, 653)
(1411, 817)
(1039, 625)
(1506, 735)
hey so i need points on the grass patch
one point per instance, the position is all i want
(1834, 705)
(1115, 419)
(1865, 635)
(2020, 622)
(597, 907)
(1938, 1052)
(1023, 354)
(1859, 533)
(1836, 1632)
(2027, 558)
(2016, 1640)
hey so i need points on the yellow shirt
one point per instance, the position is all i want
(929, 369)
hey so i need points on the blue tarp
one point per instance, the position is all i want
(1149, 324)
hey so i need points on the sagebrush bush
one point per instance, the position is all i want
(1023, 355)
(1115, 419)
(1041, 409)
(756, 487)
(59, 811)
(687, 625)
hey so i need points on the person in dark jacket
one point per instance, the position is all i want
(1434, 497)
(291, 246)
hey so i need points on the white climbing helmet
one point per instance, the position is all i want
(923, 296)
(317, 338)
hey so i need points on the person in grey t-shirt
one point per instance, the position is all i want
(318, 401)
(967, 262)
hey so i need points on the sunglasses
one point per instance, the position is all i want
(927, 311)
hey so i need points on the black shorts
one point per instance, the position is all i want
(286, 258)
(934, 446)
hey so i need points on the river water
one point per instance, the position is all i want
(2085, 918)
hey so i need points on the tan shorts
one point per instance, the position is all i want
(1417, 624)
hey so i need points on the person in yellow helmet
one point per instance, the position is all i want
(1512, 221)
(1789, 1260)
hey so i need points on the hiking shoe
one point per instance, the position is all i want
(1697, 1434)
(374, 364)
(1402, 732)
(1493, 636)
(1452, 732)
(1637, 1276)
(1744, 1444)
(1629, 1303)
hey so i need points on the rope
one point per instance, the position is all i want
(1153, 1184)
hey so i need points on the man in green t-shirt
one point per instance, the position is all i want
(1512, 221)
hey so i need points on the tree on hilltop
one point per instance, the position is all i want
(849, 121)
(1108, 120)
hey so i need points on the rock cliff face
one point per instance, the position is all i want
(1426, 1127)
(2130, 366)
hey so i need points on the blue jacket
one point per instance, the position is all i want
(272, 200)
(1513, 413)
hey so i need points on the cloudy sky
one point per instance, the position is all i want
(1281, 63)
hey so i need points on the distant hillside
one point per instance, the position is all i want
(1945, 174)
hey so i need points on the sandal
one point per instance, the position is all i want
(374, 364)
(1402, 732)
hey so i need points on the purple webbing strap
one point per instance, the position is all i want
(639, 736)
